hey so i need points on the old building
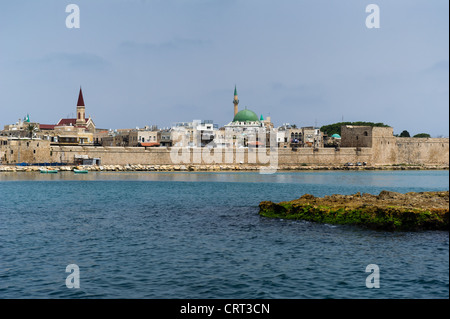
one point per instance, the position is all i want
(68, 131)
(130, 137)
(22, 128)
(80, 121)
(198, 133)
(246, 128)
(166, 137)
(312, 137)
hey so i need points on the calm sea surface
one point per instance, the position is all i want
(199, 235)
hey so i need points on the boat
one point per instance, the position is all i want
(48, 171)
(80, 171)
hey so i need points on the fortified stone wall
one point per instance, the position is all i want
(24, 150)
(324, 156)
(386, 150)
(356, 136)
(422, 150)
(162, 156)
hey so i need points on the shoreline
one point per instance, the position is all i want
(217, 168)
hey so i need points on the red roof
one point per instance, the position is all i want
(150, 144)
(255, 143)
(68, 122)
(80, 99)
(46, 126)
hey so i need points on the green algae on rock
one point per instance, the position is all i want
(386, 211)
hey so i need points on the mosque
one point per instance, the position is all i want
(246, 119)
(246, 124)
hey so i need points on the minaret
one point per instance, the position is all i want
(81, 119)
(235, 101)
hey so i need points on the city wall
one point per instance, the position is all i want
(385, 150)
(422, 150)
(161, 156)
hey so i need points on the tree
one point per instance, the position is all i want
(294, 126)
(422, 135)
(31, 128)
(405, 133)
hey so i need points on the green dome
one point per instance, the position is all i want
(336, 136)
(246, 116)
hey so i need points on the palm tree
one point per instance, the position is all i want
(31, 128)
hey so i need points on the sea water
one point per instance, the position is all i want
(199, 235)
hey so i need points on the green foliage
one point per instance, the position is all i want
(336, 127)
(387, 218)
(405, 133)
(422, 135)
(31, 128)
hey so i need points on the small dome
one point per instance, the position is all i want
(246, 116)
(336, 136)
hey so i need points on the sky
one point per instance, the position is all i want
(157, 62)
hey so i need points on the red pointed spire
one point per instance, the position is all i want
(80, 98)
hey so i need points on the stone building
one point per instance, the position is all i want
(312, 137)
(246, 128)
(198, 133)
(166, 137)
(84, 124)
(361, 136)
(22, 128)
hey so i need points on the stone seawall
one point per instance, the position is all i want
(162, 156)
(215, 168)
(385, 151)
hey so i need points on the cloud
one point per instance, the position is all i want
(438, 69)
(76, 60)
(172, 45)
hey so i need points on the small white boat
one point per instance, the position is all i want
(80, 171)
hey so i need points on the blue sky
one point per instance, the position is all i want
(164, 61)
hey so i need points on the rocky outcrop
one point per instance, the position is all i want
(387, 211)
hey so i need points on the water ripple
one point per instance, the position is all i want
(146, 237)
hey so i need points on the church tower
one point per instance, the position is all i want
(81, 118)
(235, 101)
